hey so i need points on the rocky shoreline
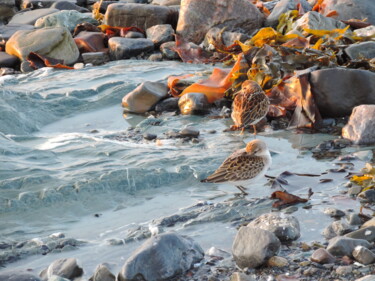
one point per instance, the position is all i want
(314, 60)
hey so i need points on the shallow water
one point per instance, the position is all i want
(56, 172)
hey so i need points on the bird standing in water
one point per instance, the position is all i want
(249, 106)
(244, 166)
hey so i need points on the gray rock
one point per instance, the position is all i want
(102, 273)
(30, 17)
(66, 268)
(367, 233)
(54, 42)
(68, 19)
(240, 276)
(26, 67)
(96, 58)
(285, 227)
(148, 136)
(252, 247)
(351, 9)
(125, 48)
(227, 38)
(354, 219)
(6, 31)
(8, 60)
(336, 228)
(367, 32)
(360, 128)
(138, 15)
(193, 103)
(344, 246)
(282, 7)
(369, 223)
(162, 257)
(167, 49)
(337, 90)
(322, 256)
(18, 276)
(156, 57)
(167, 105)
(197, 17)
(315, 20)
(367, 196)
(355, 190)
(144, 97)
(344, 269)
(134, 34)
(363, 255)
(189, 132)
(364, 50)
(334, 213)
(41, 4)
(66, 5)
(366, 278)
(160, 33)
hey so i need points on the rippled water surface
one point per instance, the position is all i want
(67, 167)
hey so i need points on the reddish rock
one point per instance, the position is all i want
(322, 256)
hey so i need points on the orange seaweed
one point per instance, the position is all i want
(286, 198)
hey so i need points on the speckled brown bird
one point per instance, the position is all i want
(249, 106)
(244, 166)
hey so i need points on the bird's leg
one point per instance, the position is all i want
(242, 131)
(242, 189)
(255, 130)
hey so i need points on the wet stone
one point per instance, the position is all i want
(336, 228)
(354, 219)
(67, 268)
(367, 196)
(344, 246)
(193, 103)
(367, 233)
(355, 190)
(363, 255)
(167, 105)
(96, 58)
(18, 276)
(322, 256)
(334, 213)
(189, 132)
(102, 273)
(125, 48)
(134, 35)
(148, 136)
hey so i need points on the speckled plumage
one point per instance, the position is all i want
(243, 166)
(250, 105)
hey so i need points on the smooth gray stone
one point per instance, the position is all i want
(160, 33)
(125, 48)
(6, 31)
(344, 246)
(193, 103)
(66, 268)
(30, 17)
(8, 60)
(364, 50)
(96, 58)
(367, 233)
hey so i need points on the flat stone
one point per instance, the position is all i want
(166, 2)
(344, 269)
(167, 49)
(363, 255)
(284, 6)
(66, 268)
(316, 21)
(125, 48)
(367, 233)
(6, 31)
(138, 15)
(8, 60)
(18, 276)
(322, 256)
(144, 97)
(360, 128)
(364, 50)
(162, 257)
(96, 58)
(68, 19)
(344, 246)
(277, 262)
(338, 90)
(197, 17)
(102, 273)
(54, 42)
(239, 276)
(252, 247)
(189, 132)
(351, 9)
(193, 103)
(30, 17)
(134, 34)
(160, 33)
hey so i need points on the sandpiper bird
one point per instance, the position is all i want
(249, 106)
(244, 166)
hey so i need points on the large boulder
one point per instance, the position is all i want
(125, 48)
(284, 6)
(30, 17)
(66, 268)
(338, 90)
(360, 128)
(316, 21)
(197, 17)
(138, 15)
(161, 257)
(54, 42)
(144, 97)
(351, 9)
(18, 276)
(68, 19)
(285, 227)
(252, 247)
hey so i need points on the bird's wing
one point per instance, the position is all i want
(250, 108)
(238, 168)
